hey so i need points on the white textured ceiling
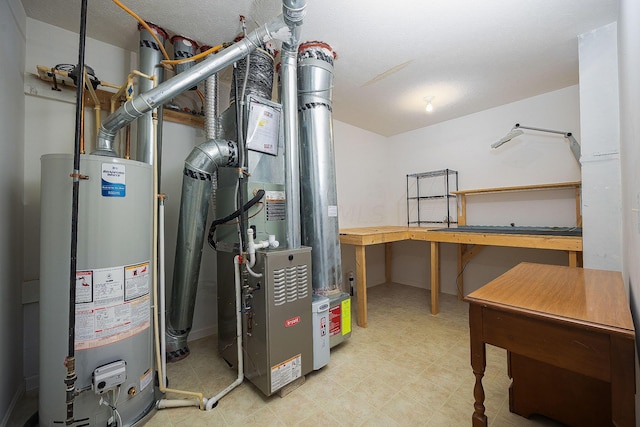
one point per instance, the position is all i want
(470, 55)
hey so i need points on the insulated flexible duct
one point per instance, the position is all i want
(259, 77)
(319, 198)
(199, 168)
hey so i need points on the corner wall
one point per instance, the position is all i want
(12, 54)
(629, 69)
(600, 129)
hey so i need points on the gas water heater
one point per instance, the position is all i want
(113, 329)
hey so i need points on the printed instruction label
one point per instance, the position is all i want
(136, 281)
(112, 304)
(263, 128)
(332, 211)
(346, 316)
(285, 372)
(275, 205)
(145, 379)
(84, 287)
(113, 180)
(335, 327)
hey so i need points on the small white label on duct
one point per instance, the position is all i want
(263, 127)
(332, 210)
(113, 180)
(285, 372)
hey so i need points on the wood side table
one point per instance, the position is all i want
(570, 340)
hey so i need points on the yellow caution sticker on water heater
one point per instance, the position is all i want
(346, 316)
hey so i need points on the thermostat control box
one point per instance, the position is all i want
(107, 377)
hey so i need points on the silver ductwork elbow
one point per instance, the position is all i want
(199, 170)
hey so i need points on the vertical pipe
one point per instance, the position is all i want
(289, 100)
(150, 57)
(319, 198)
(70, 379)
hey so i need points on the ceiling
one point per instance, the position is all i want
(469, 55)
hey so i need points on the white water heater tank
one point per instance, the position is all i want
(113, 290)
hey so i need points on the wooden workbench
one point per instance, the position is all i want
(363, 237)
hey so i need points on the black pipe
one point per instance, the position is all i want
(70, 379)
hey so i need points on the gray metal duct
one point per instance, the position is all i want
(294, 12)
(145, 102)
(193, 224)
(288, 98)
(199, 168)
(319, 198)
(183, 48)
(150, 57)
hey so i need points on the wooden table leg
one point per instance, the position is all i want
(623, 383)
(435, 277)
(361, 285)
(478, 363)
(573, 259)
(387, 262)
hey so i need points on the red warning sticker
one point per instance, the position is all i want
(335, 326)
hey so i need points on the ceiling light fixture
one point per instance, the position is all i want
(517, 131)
(429, 105)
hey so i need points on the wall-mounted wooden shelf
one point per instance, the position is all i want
(462, 196)
(35, 86)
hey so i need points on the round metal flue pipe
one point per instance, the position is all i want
(318, 195)
(183, 48)
(150, 56)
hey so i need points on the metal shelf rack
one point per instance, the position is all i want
(425, 191)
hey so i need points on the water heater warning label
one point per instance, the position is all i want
(112, 304)
(113, 180)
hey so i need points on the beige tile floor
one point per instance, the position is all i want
(408, 368)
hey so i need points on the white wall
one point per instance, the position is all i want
(363, 164)
(12, 52)
(463, 144)
(600, 128)
(629, 69)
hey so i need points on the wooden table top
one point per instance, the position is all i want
(593, 298)
(385, 234)
(373, 235)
